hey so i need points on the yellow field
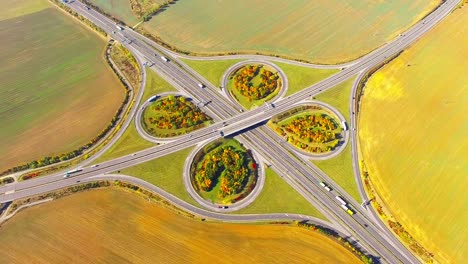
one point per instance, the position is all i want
(323, 31)
(113, 226)
(413, 130)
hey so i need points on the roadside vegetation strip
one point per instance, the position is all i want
(223, 172)
(127, 64)
(6, 180)
(269, 27)
(277, 196)
(117, 225)
(309, 128)
(253, 84)
(114, 126)
(172, 115)
(63, 98)
(428, 81)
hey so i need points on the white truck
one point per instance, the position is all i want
(164, 59)
(201, 85)
(341, 200)
(345, 126)
(119, 27)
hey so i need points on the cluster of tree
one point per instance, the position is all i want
(310, 132)
(6, 181)
(225, 164)
(243, 82)
(74, 153)
(174, 113)
(413, 243)
(127, 63)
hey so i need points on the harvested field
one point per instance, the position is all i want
(302, 29)
(53, 81)
(415, 145)
(114, 226)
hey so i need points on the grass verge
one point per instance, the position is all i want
(165, 172)
(212, 70)
(278, 196)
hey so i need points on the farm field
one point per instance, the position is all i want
(53, 73)
(120, 9)
(111, 225)
(277, 196)
(311, 30)
(422, 104)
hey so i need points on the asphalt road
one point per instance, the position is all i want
(359, 225)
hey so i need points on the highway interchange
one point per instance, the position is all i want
(364, 226)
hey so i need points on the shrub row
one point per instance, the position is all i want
(335, 236)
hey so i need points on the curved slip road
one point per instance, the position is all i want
(384, 243)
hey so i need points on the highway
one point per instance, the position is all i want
(376, 240)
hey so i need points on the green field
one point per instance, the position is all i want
(165, 172)
(155, 84)
(212, 70)
(128, 143)
(278, 196)
(340, 170)
(324, 31)
(114, 226)
(300, 77)
(413, 128)
(120, 9)
(53, 82)
(338, 97)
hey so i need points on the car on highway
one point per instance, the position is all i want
(201, 85)
(95, 165)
